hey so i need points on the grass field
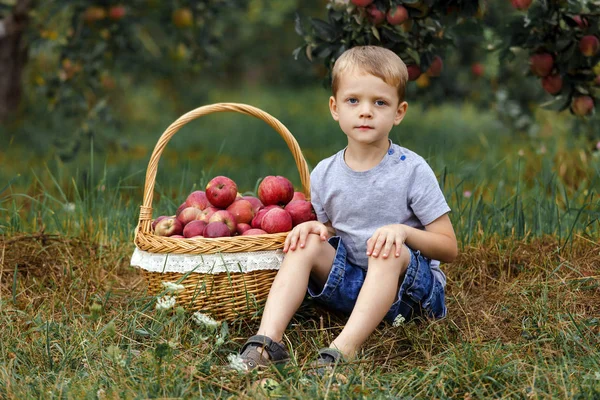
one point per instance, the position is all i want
(523, 295)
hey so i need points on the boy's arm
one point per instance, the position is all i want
(437, 241)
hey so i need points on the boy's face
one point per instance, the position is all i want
(366, 107)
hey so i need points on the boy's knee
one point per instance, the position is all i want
(391, 263)
(313, 248)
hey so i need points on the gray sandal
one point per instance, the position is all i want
(253, 357)
(327, 360)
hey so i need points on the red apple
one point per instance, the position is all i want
(301, 211)
(257, 220)
(589, 45)
(216, 229)
(276, 220)
(182, 207)
(168, 226)
(254, 231)
(242, 211)
(521, 4)
(194, 228)
(552, 83)
(397, 15)
(221, 191)
(477, 69)
(541, 64)
(361, 3)
(207, 213)
(241, 228)
(116, 12)
(375, 15)
(298, 196)
(436, 67)
(157, 220)
(275, 190)
(580, 21)
(189, 214)
(225, 217)
(198, 199)
(256, 203)
(414, 72)
(582, 105)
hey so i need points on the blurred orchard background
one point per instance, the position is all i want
(503, 102)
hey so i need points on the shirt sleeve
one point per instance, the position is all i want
(426, 198)
(315, 198)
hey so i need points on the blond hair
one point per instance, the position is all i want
(374, 60)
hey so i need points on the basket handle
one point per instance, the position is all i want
(146, 207)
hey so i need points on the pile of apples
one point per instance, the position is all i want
(220, 211)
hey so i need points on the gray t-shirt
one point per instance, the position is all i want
(401, 189)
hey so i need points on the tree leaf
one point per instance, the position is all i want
(559, 103)
(323, 29)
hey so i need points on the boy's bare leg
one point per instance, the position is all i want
(289, 287)
(376, 296)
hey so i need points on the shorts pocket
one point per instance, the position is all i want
(421, 284)
(435, 305)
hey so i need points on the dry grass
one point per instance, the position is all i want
(511, 304)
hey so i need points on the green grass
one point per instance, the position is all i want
(523, 295)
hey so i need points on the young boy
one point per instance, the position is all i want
(382, 222)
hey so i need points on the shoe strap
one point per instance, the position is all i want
(276, 351)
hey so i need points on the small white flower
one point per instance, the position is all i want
(236, 362)
(399, 320)
(467, 193)
(165, 303)
(204, 320)
(220, 340)
(521, 152)
(173, 287)
(101, 394)
(69, 207)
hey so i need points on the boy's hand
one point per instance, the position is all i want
(384, 238)
(299, 234)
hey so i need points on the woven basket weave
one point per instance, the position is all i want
(229, 295)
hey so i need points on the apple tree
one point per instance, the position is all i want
(80, 45)
(554, 41)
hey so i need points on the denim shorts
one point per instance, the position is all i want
(419, 296)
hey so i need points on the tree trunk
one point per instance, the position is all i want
(13, 54)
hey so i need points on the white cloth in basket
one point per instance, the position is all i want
(207, 263)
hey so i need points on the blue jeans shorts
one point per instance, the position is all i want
(419, 296)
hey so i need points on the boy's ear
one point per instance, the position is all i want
(400, 112)
(333, 108)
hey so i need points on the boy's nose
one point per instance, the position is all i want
(366, 112)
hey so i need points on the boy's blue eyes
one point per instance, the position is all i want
(378, 102)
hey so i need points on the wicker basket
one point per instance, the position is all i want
(229, 295)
